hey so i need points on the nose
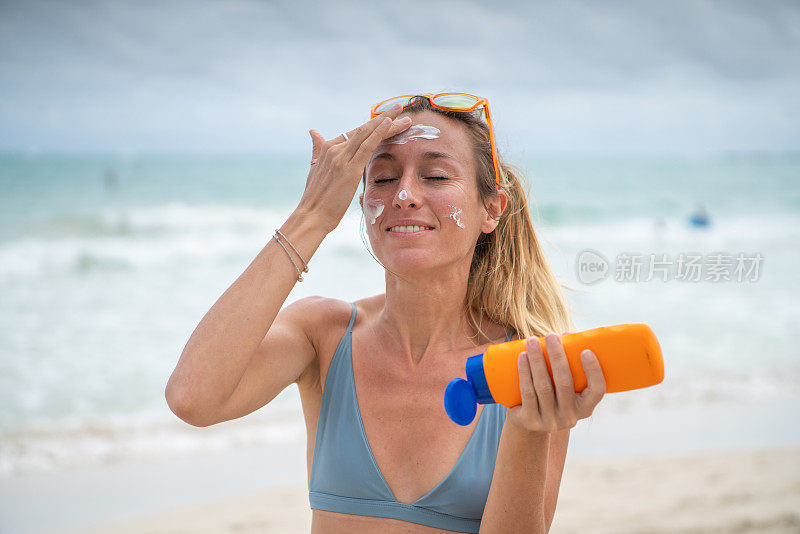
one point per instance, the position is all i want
(407, 195)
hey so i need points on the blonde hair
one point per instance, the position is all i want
(510, 280)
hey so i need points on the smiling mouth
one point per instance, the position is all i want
(409, 229)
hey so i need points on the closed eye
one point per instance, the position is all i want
(427, 177)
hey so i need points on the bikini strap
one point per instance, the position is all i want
(352, 319)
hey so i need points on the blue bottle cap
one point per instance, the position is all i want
(460, 402)
(477, 378)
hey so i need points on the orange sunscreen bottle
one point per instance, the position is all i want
(629, 355)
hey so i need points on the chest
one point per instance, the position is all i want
(413, 442)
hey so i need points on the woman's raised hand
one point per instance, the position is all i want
(337, 165)
(552, 405)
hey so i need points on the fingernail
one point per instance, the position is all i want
(586, 356)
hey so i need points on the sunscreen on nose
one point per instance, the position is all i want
(629, 355)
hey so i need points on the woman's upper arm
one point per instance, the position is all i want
(284, 354)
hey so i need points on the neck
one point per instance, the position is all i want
(425, 313)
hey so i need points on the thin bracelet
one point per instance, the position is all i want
(305, 266)
(299, 276)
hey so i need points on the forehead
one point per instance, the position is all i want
(452, 139)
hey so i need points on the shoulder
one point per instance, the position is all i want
(326, 318)
(325, 322)
(319, 314)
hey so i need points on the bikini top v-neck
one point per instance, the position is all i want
(345, 477)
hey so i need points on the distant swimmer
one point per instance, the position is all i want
(699, 218)
(111, 180)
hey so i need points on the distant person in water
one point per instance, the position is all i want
(110, 180)
(699, 218)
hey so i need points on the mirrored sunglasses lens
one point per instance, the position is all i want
(455, 101)
(402, 100)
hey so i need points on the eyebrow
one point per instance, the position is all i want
(425, 155)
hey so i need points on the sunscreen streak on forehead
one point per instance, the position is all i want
(456, 215)
(373, 207)
(418, 131)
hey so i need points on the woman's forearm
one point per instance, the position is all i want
(516, 497)
(220, 348)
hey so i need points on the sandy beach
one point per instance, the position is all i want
(741, 491)
(725, 467)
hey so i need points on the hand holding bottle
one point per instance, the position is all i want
(546, 383)
(553, 405)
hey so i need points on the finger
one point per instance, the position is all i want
(316, 143)
(530, 404)
(596, 384)
(526, 390)
(358, 135)
(541, 379)
(562, 376)
(370, 144)
(398, 125)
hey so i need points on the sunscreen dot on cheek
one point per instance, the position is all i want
(373, 207)
(403, 195)
(456, 214)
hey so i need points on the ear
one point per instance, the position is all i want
(496, 206)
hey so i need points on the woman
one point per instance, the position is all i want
(464, 270)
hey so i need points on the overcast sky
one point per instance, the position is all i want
(254, 76)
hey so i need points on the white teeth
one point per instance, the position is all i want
(408, 229)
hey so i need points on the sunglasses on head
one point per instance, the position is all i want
(461, 102)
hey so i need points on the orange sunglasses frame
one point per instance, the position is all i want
(480, 102)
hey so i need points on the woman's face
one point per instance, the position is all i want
(427, 176)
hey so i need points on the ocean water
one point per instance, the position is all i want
(107, 264)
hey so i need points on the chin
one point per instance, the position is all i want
(411, 261)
